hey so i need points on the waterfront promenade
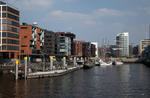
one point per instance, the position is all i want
(53, 73)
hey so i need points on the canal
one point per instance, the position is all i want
(125, 81)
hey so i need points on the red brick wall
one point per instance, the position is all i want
(26, 36)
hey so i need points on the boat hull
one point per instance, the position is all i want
(87, 66)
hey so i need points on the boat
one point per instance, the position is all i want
(105, 60)
(106, 64)
(97, 63)
(80, 62)
(117, 63)
(103, 64)
(88, 65)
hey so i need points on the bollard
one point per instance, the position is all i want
(65, 65)
(75, 62)
(25, 68)
(82, 60)
(51, 63)
(17, 62)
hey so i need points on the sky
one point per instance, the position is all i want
(90, 20)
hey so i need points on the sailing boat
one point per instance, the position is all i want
(118, 61)
(106, 61)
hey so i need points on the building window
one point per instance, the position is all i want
(25, 36)
(23, 45)
(9, 47)
(22, 51)
(7, 21)
(12, 35)
(10, 41)
(23, 27)
(13, 10)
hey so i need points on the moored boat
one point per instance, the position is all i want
(117, 63)
(103, 64)
(97, 63)
(88, 65)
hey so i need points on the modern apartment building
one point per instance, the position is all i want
(86, 49)
(63, 45)
(36, 41)
(77, 46)
(144, 44)
(47, 42)
(96, 48)
(72, 37)
(93, 50)
(9, 31)
(122, 42)
(29, 40)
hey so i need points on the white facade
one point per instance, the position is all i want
(122, 42)
(65, 46)
(144, 44)
(96, 46)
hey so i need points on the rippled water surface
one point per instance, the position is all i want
(126, 81)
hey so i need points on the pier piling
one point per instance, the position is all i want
(17, 62)
(51, 63)
(75, 62)
(25, 69)
(65, 65)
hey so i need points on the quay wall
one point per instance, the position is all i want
(126, 60)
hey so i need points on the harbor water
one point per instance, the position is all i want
(125, 81)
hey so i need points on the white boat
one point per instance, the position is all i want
(117, 63)
(103, 64)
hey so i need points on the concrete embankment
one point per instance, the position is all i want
(53, 73)
(130, 60)
(126, 60)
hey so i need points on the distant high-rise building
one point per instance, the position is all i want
(122, 42)
(9, 30)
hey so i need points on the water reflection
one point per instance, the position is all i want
(126, 81)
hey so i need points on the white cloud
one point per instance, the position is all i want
(32, 4)
(68, 16)
(107, 12)
(96, 22)
(90, 18)
(111, 12)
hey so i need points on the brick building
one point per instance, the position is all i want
(36, 42)
(29, 40)
(77, 46)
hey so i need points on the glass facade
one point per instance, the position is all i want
(10, 22)
(122, 42)
(9, 28)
